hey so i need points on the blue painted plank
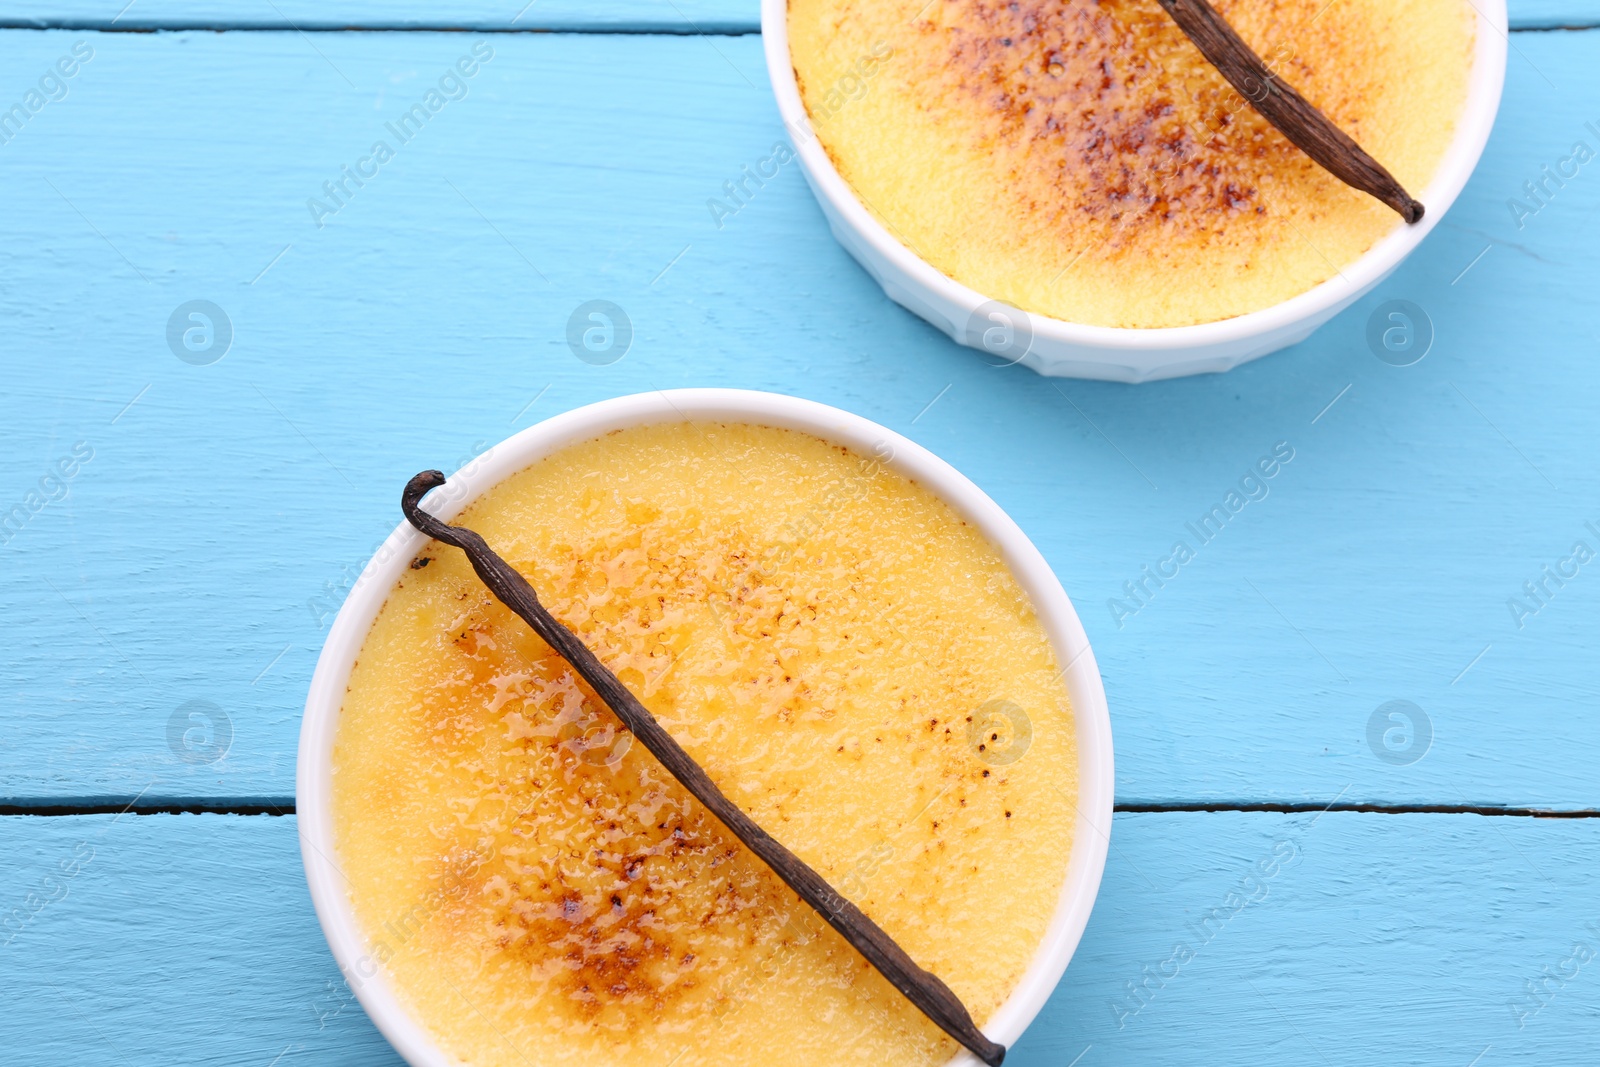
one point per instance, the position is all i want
(661, 16)
(1551, 14)
(658, 16)
(196, 555)
(1225, 937)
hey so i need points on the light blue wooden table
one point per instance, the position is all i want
(177, 534)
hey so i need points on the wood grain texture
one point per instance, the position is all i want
(1346, 940)
(196, 556)
(652, 16)
(1549, 14)
(661, 16)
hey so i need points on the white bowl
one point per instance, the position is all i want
(1071, 350)
(314, 782)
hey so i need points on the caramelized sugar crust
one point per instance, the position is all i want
(822, 636)
(1126, 108)
(1080, 158)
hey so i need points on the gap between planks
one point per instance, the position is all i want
(184, 26)
(223, 806)
(713, 30)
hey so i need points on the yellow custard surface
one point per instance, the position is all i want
(851, 662)
(1080, 158)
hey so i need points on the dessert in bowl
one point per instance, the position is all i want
(1085, 164)
(863, 652)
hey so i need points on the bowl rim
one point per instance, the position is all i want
(1313, 306)
(313, 783)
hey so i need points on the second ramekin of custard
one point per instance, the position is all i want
(1073, 188)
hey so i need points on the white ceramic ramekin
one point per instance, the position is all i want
(1071, 350)
(313, 783)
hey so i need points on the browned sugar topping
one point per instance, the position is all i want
(1138, 126)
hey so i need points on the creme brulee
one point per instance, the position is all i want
(1082, 160)
(852, 663)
